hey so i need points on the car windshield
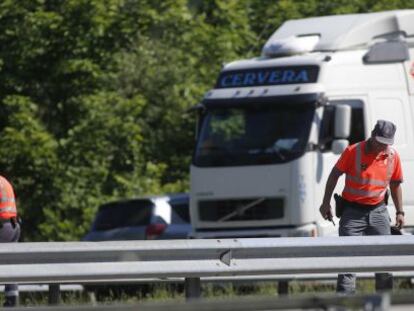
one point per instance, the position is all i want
(181, 213)
(253, 134)
(123, 214)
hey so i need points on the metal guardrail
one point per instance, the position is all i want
(91, 262)
(69, 262)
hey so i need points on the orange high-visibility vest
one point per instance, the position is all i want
(7, 200)
(367, 183)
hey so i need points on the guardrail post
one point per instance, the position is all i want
(54, 294)
(383, 282)
(192, 288)
(283, 287)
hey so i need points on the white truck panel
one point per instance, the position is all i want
(340, 32)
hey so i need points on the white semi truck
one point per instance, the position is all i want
(272, 128)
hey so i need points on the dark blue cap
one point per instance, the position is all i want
(384, 132)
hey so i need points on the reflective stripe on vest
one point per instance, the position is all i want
(390, 166)
(369, 194)
(368, 181)
(6, 199)
(10, 209)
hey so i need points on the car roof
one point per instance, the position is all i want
(171, 197)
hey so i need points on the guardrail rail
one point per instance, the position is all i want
(119, 261)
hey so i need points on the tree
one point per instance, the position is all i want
(72, 142)
(93, 94)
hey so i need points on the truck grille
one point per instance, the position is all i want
(241, 209)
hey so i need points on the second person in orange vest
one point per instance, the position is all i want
(9, 232)
(370, 167)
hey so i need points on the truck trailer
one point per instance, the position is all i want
(272, 127)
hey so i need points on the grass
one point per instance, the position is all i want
(175, 292)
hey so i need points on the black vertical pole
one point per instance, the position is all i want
(54, 294)
(192, 288)
(283, 287)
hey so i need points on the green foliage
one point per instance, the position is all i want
(74, 142)
(28, 159)
(94, 93)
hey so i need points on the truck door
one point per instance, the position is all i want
(394, 105)
(326, 158)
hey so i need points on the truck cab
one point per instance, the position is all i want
(272, 128)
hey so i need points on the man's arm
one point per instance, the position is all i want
(325, 209)
(396, 194)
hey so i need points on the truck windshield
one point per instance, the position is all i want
(253, 134)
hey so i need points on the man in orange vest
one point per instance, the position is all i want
(370, 167)
(9, 231)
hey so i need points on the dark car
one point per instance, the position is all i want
(147, 218)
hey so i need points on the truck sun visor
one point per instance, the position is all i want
(315, 99)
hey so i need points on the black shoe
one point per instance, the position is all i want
(11, 301)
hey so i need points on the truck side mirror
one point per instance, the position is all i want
(342, 121)
(339, 145)
(342, 128)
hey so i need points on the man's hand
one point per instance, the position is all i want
(326, 211)
(399, 221)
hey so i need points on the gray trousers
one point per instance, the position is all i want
(10, 234)
(363, 221)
